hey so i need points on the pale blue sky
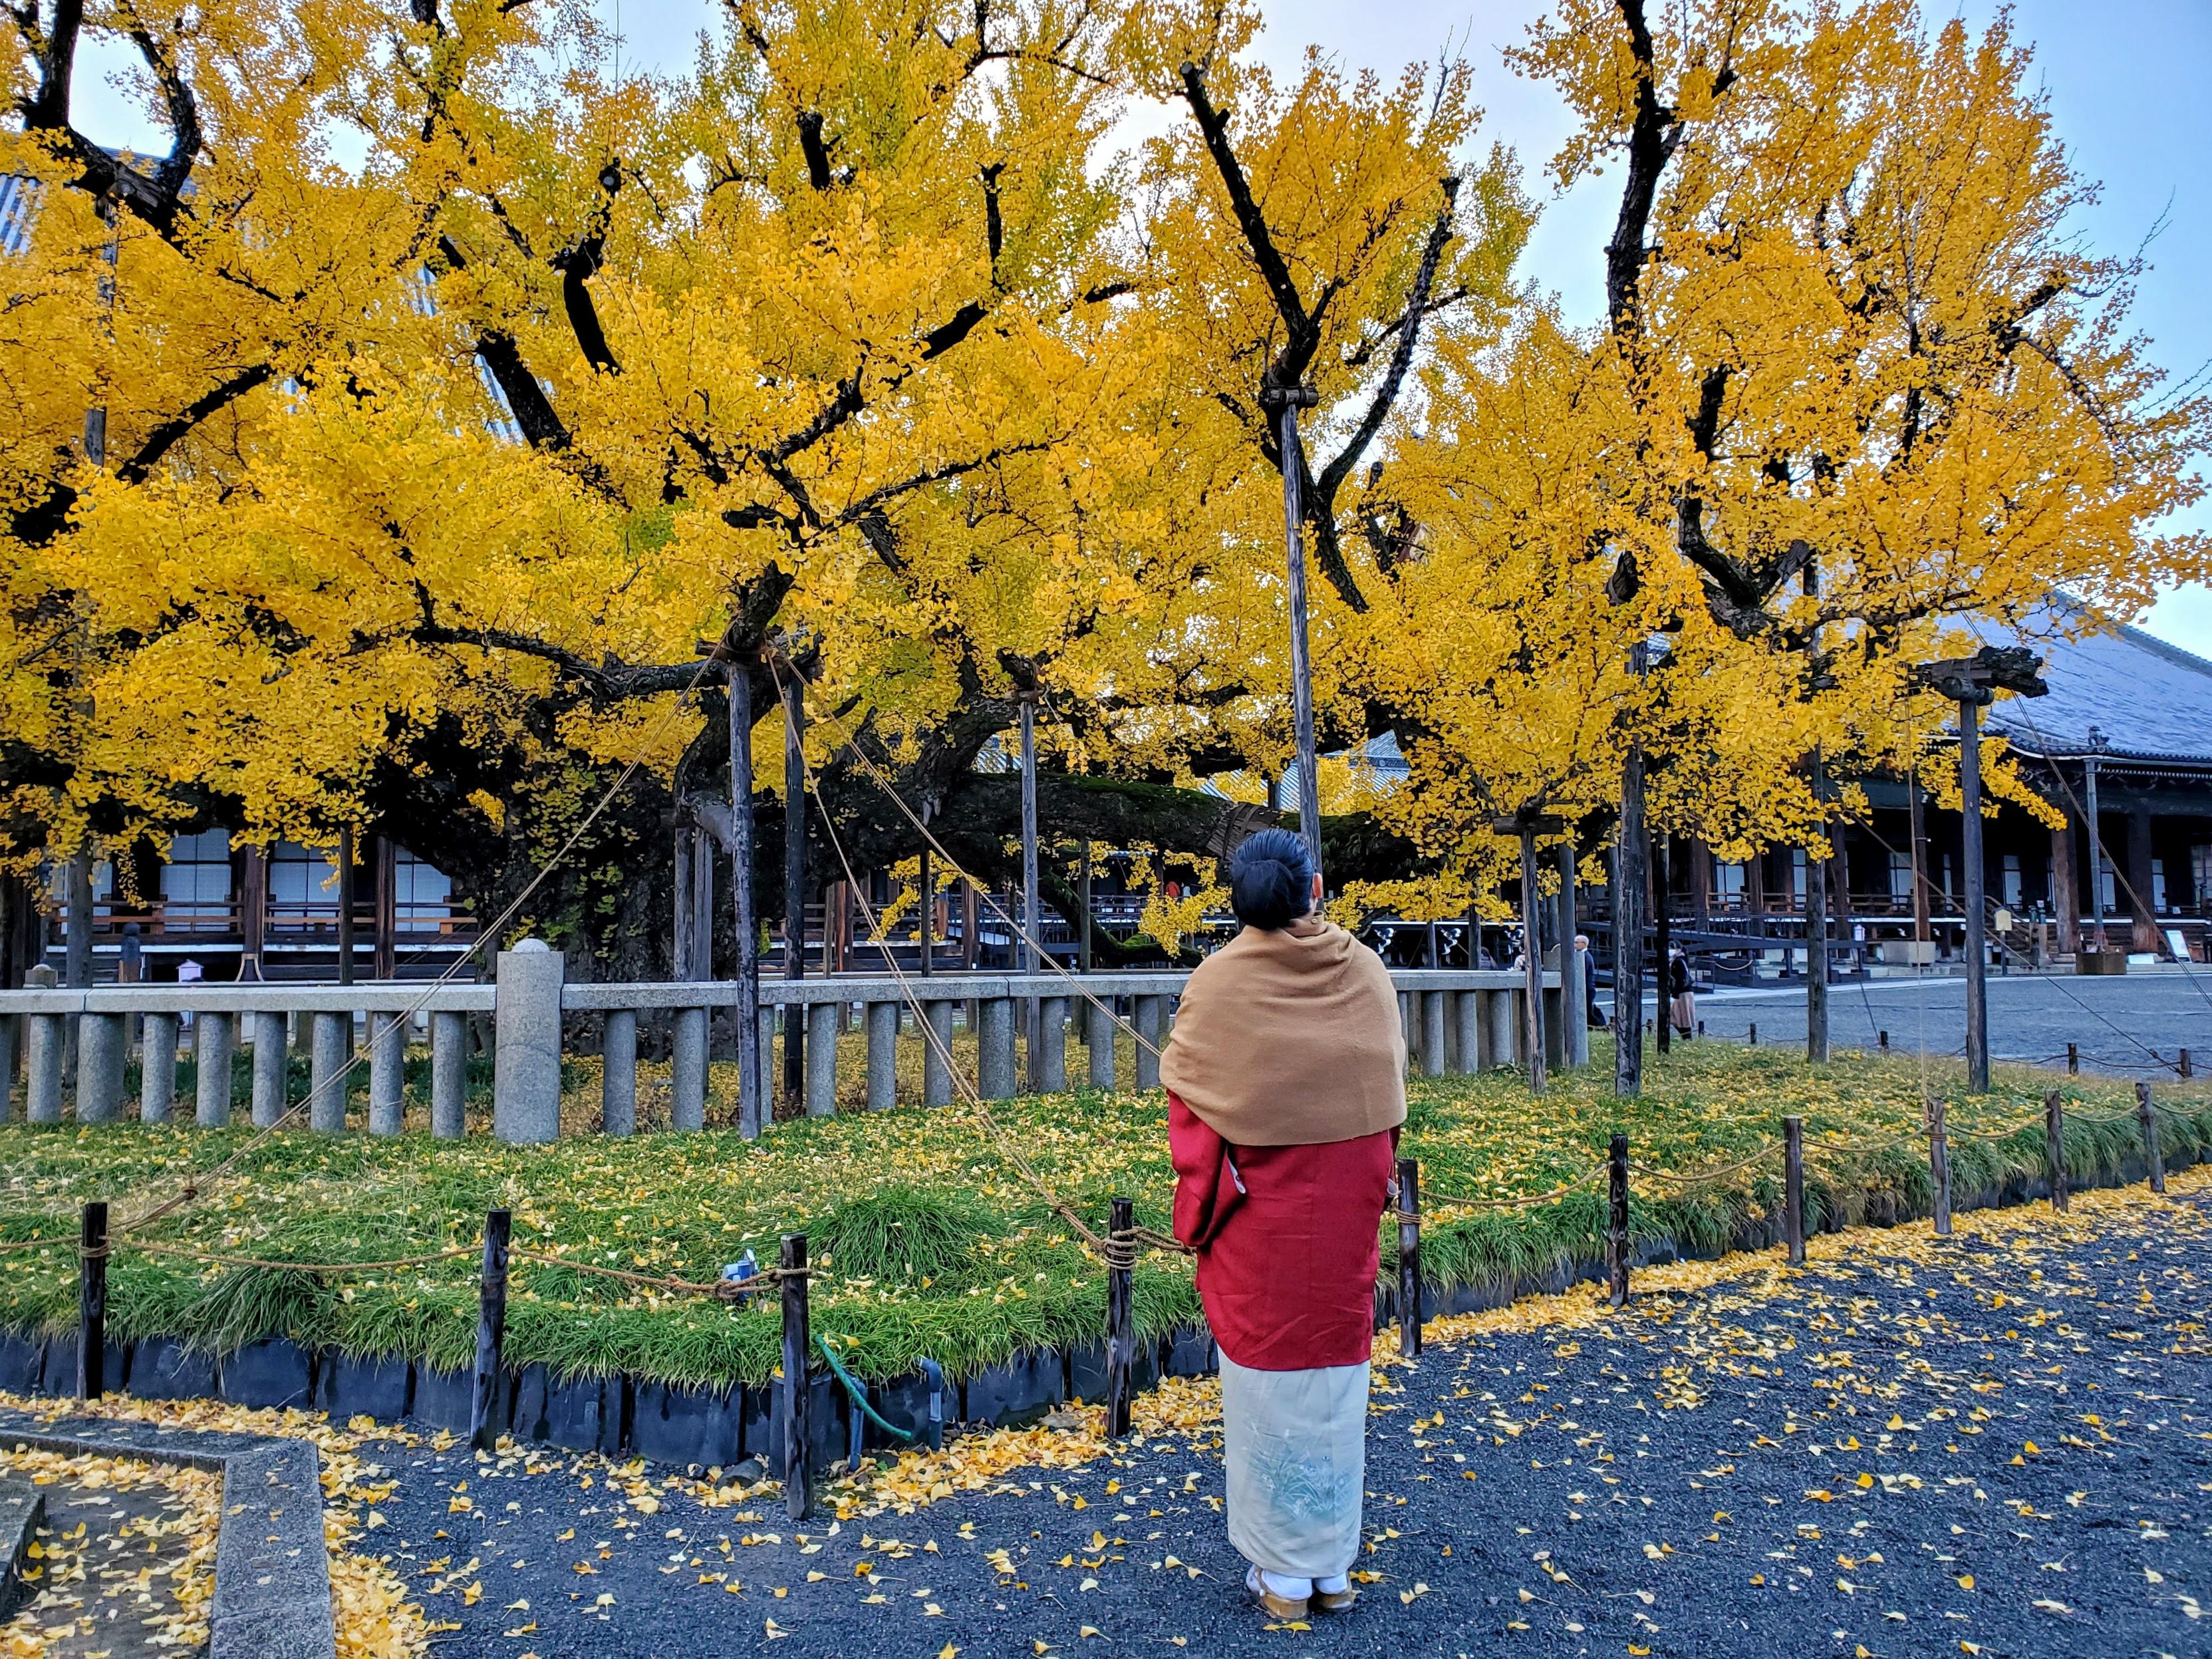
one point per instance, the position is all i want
(2123, 77)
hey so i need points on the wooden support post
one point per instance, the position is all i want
(1754, 1038)
(2186, 1072)
(1970, 800)
(2147, 1115)
(1657, 856)
(794, 888)
(92, 1303)
(345, 905)
(1120, 1321)
(2073, 1059)
(1793, 1188)
(491, 1331)
(798, 1344)
(384, 943)
(1617, 1218)
(1409, 1257)
(1532, 959)
(923, 928)
(1939, 1165)
(754, 1110)
(1883, 1041)
(2054, 1147)
(1083, 927)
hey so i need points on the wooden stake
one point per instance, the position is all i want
(1793, 1188)
(92, 1303)
(1754, 1039)
(1617, 1220)
(2148, 1116)
(1409, 1257)
(491, 1331)
(2186, 1073)
(798, 1344)
(2073, 1059)
(1120, 1324)
(1883, 1038)
(1939, 1165)
(2054, 1147)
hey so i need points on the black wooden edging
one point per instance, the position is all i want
(720, 1428)
(272, 1568)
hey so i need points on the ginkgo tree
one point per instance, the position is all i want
(1874, 386)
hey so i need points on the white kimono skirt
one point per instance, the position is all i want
(1295, 1447)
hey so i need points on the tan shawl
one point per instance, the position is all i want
(1290, 1039)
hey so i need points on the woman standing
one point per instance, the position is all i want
(1285, 1080)
(1681, 992)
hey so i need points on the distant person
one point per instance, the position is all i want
(1286, 1080)
(1594, 1015)
(1683, 997)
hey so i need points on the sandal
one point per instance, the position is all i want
(1335, 1600)
(1276, 1607)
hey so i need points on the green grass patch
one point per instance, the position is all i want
(931, 1242)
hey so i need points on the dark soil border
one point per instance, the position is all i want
(702, 1429)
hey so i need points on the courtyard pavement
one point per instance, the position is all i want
(1992, 1445)
(2118, 1024)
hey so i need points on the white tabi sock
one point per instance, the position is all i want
(1291, 1589)
(1336, 1586)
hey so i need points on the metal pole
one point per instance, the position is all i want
(794, 888)
(753, 1101)
(1288, 401)
(1970, 806)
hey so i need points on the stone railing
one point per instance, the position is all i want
(1455, 1020)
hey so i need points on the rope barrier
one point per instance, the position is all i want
(1706, 1177)
(1008, 1147)
(1522, 1201)
(850, 745)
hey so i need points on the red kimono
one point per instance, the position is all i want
(1288, 1241)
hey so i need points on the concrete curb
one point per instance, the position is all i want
(23, 1512)
(272, 1570)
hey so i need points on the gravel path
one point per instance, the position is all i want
(1998, 1445)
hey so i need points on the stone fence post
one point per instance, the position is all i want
(525, 1095)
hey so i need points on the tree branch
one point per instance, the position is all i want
(166, 436)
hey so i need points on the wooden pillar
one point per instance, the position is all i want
(794, 887)
(1918, 827)
(679, 951)
(385, 944)
(2143, 933)
(753, 1109)
(253, 910)
(1701, 877)
(1532, 957)
(2065, 889)
(346, 896)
